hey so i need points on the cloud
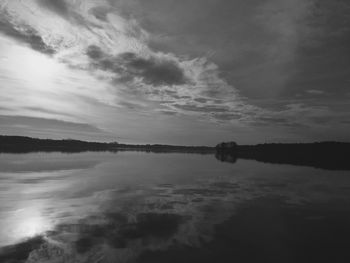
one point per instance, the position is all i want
(315, 91)
(226, 116)
(144, 60)
(153, 70)
(271, 120)
(201, 100)
(64, 10)
(57, 6)
(25, 35)
(22, 125)
(100, 12)
(204, 108)
(166, 112)
(47, 111)
(116, 52)
(323, 52)
(94, 52)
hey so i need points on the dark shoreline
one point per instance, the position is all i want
(325, 155)
(21, 144)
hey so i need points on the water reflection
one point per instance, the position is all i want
(138, 207)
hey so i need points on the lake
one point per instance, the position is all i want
(169, 207)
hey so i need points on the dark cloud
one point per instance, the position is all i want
(65, 10)
(174, 94)
(201, 100)
(273, 120)
(94, 52)
(289, 47)
(225, 27)
(130, 105)
(26, 35)
(170, 92)
(322, 119)
(226, 116)
(204, 108)
(323, 56)
(166, 112)
(153, 70)
(57, 6)
(267, 121)
(100, 12)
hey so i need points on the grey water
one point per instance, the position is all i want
(169, 207)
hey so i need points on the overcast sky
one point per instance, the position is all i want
(175, 71)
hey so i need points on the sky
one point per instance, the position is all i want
(181, 72)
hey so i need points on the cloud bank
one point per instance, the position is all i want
(128, 65)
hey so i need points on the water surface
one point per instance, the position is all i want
(175, 207)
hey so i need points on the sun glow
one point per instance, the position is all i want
(32, 66)
(27, 223)
(31, 227)
(23, 224)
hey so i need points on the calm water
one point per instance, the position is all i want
(146, 207)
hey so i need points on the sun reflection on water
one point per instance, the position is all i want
(24, 224)
(30, 227)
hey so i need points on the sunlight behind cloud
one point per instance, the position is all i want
(112, 64)
(32, 66)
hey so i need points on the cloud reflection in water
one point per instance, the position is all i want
(128, 205)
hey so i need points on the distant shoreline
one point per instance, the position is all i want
(22, 144)
(325, 155)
